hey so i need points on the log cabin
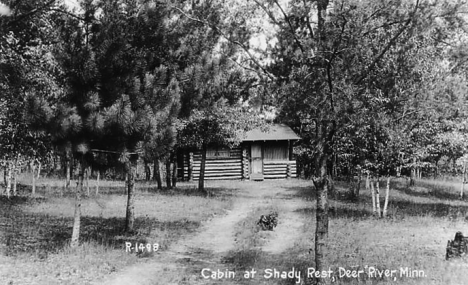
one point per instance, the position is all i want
(260, 156)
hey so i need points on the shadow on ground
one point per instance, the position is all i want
(428, 191)
(305, 192)
(397, 209)
(338, 212)
(442, 202)
(141, 187)
(41, 234)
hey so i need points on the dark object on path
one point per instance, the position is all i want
(268, 222)
(457, 247)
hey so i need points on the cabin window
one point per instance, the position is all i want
(277, 150)
(218, 152)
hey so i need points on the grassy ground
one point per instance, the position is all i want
(35, 231)
(414, 235)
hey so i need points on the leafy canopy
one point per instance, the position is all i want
(221, 125)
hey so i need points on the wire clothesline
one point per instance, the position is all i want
(117, 152)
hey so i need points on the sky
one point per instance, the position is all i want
(4, 10)
(72, 4)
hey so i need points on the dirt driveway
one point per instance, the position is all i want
(216, 237)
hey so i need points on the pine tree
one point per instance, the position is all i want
(106, 50)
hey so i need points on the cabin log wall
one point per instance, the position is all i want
(236, 166)
(220, 168)
(279, 169)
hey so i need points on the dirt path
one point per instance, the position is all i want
(289, 225)
(218, 234)
(216, 237)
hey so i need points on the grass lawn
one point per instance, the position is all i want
(410, 243)
(35, 231)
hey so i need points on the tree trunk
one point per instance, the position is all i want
(334, 166)
(332, 193)
(137, 171)
(55, 167)
(157, 173)
(321, 183)
(190, 168)
(377, 197)
(168, 174)
(367, 180)
(463, 181)
(72, 169)
(201, 178)
(97, 182)
(33, 176)
(15, 175)
(8, 180)
(413, 173)
(352, 191)
(147, 171)
(374, 208)
(174, 173)
(15, 178)
(387, 195)
(412, 177)
(358, 186)
(130, 217)
(355, 187)
(67, 170)
(39, 168)
(324, 133)
(87, 172)
(77, 216)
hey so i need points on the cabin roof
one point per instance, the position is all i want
(276, 132)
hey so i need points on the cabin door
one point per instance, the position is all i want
(257, 160)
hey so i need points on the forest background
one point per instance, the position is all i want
(373, 88)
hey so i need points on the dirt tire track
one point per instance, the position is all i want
(288, 229)
(215, 236)
(218, 234)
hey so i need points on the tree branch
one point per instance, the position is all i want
(68, 13)
(329, 64)
(387, 47)
(383, 26)
(241, 45)
(373, 14)
(242, 66)
(293, 32)
(309, 26)
(30, 13)
(270, 15)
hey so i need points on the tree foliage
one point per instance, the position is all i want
(374, 85)
(220, 125)
(352, 79)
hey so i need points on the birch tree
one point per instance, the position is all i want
(26, 67)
